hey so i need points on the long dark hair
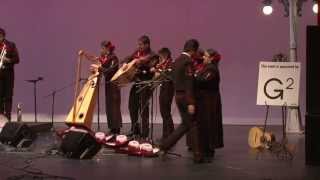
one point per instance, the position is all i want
(144, 39)
(165, 51)
(108, 45)
(191, 45)
(214, 54)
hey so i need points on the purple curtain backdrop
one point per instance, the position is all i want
(49, 33)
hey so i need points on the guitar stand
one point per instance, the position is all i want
(280, 150)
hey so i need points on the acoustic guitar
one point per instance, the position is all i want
(125, 74)
(259, 139)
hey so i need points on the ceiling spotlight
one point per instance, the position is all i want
(267, 8)
(315, 8)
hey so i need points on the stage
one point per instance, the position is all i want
(235, 161)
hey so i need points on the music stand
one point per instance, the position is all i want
(34, 82)
(152, 85)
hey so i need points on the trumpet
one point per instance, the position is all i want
(2, 56)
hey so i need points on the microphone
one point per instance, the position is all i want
(34, 80)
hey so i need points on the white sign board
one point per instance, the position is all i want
(278, 84)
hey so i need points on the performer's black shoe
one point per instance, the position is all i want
(208, 158)
(198, 160)
(115, 131)
(162, 154)
(133, 134)
(211, 153)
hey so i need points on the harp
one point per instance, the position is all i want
(81, 113)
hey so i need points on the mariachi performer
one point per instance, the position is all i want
(109, 66)
(8, 58)
(208, 103)
(164, 72)
(184, 95)
(140, 93)
(197, 62)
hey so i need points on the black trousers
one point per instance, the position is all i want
(6, 91)
(188, 124)
(113, 103)
(139, 108)
(165, 101)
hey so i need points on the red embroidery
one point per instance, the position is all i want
(104, 59)
(2, 45)
(8, 48)
(166, 64)
(216, 57)
(198, 68)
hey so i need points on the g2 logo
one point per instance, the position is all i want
(278, 91)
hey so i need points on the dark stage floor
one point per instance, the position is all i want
(235, 161)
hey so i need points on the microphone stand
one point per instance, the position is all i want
(34, 81)
(104, 70)
(98, 101)
(53, 95)
(54, 92)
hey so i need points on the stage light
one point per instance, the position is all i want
(267, 8)
(315, 8)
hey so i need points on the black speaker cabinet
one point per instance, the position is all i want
(79, 145)
(17, 134)
(312, 140)
(313, 70)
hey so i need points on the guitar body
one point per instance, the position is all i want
(3, 121)
(258, 139)
(125, 74)
(85, 104)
